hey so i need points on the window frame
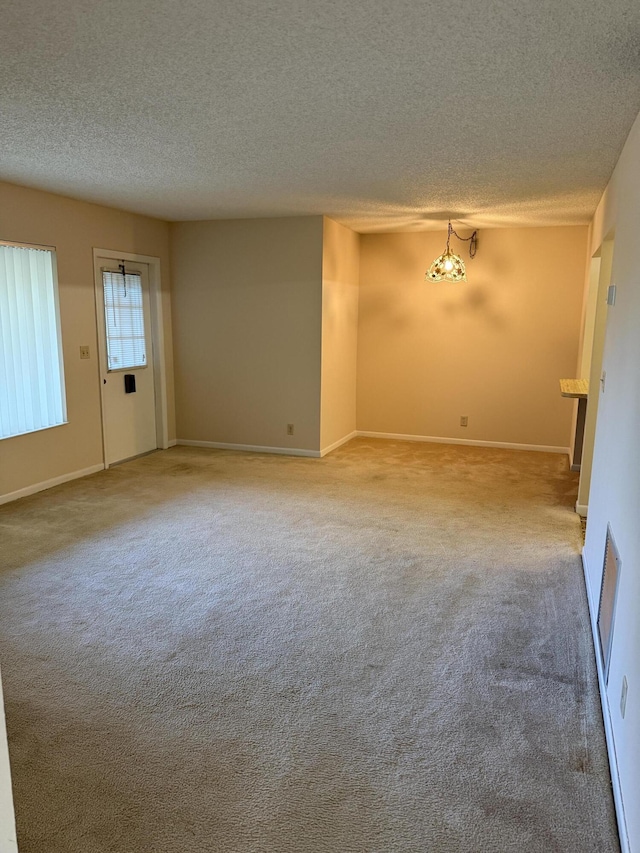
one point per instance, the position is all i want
(17, 244)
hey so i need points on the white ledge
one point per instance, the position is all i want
(8, 840)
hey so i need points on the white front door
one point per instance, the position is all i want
(126, 359)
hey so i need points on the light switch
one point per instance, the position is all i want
(84, 352)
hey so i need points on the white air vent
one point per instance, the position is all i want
(608, 593)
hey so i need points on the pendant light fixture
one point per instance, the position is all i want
(448, 266)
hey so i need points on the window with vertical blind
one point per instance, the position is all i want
(124, 320)
(32, 395)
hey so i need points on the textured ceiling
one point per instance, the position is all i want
(383, 115)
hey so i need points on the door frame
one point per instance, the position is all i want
(596, 341)
(157, 340)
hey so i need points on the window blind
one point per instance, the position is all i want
(32, 393)
(124, 320)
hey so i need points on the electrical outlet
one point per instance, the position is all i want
(464, 420)
(84, 352)
(289, 429)
(623, 696)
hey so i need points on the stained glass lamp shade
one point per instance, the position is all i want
(449, 266)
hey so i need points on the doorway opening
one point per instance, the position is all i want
(594, 336)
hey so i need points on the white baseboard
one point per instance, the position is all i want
(250, 448)
(582, 509)
(606, 716)
(172, 443)
(338, 443)
(49, 484)
(542, 448)
(316, 454)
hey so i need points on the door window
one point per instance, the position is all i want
(124, 320)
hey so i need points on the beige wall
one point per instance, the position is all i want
(615, 481)
(493, 348)
(340, 271)
(247, 314)
(74, 228)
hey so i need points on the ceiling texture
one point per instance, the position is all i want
(389, 115)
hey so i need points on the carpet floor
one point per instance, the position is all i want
(384, 650)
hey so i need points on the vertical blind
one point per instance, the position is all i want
(124, 320)
(31, 369)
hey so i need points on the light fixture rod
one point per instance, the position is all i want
(473, 240)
